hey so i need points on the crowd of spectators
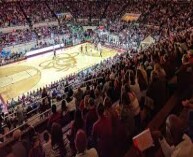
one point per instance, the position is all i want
(76, 11)
(57, 6)
(11, 15)
(168, 12)
(27, 35)
(37, 11)
(129, 34)
(171, 17)
(17, 37)
(114, 8)
(131, 81)
(97, 9)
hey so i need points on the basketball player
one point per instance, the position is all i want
(61, 46)
(100, 51)
(91, 52)
(95, 47)
(81, 49)
(54, 54)
(86, 49)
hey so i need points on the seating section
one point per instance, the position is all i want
(114, 8)
(11, 15)
(37, 11)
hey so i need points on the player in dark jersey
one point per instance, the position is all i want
(100, 51)
(81, 49)
(54, 54)
(86, 51)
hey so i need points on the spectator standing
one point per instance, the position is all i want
(37, 149)
(47, 145)
(55, 117)
(78, 123)
(182, 144)
(19, 148)
(102, 133)
(159, 71)
(157, 90)
(43, 107)
(44, 93)
(58, 147)
(81, 145)
(133, 106)
(91, 117)
(126, 116)
(78, 96)
(65, 115)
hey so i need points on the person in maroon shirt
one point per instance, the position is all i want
(55, 117)
(91, 117)
(102, 133)
(185, 75)
(77, 124)
(37, 149)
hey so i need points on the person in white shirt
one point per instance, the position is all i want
(182, 145)
(47, 145)
(134, 85)
(183, 149)
(81, 144)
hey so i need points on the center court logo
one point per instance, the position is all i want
(61, 63)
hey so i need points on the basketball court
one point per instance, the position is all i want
(35, 72)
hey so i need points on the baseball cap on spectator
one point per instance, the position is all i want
(80, 141)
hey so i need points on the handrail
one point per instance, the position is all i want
(66, 87)
(47, 111)
(29, 121)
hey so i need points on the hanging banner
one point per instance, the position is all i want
(130, 17)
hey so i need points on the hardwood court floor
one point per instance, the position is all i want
(36, 72)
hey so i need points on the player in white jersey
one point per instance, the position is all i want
(99, 49)
(86, 50)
